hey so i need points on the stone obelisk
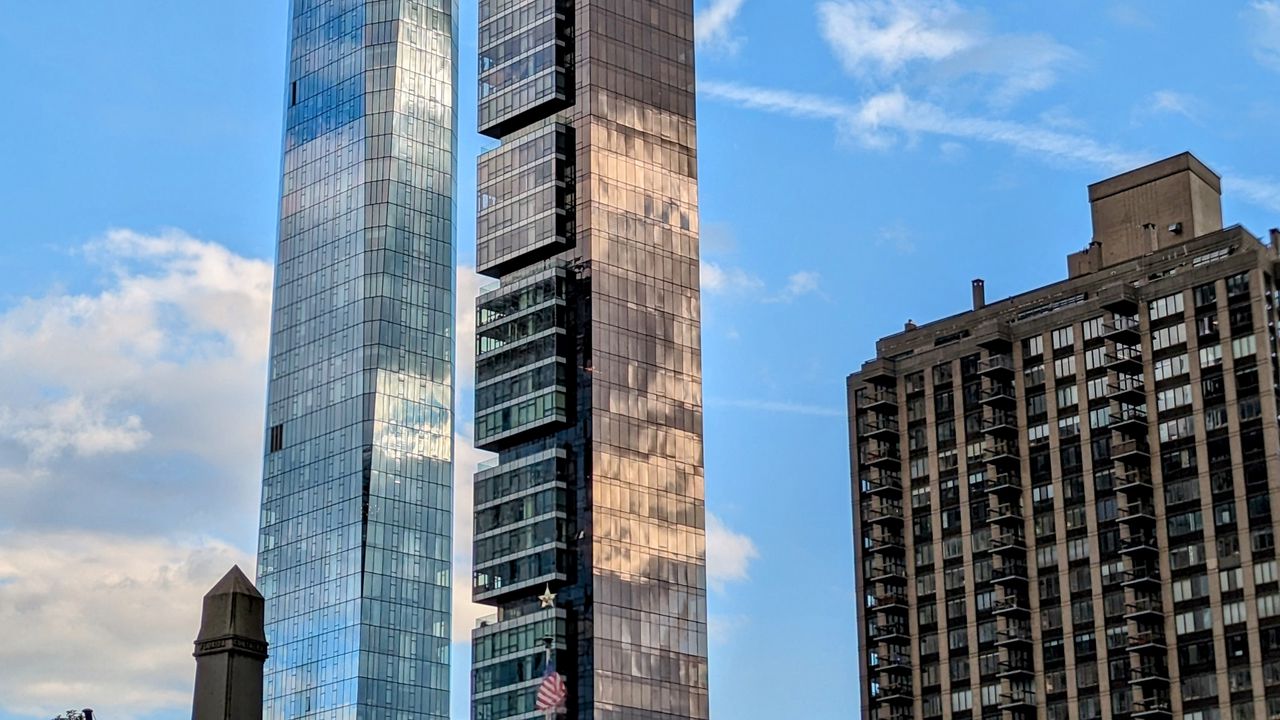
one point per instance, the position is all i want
(230, 651)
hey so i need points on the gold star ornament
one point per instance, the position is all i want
(547, 598)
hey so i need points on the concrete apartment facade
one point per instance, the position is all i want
(1063, 501)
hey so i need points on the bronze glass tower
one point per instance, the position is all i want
(588, 368)
(1065, 501)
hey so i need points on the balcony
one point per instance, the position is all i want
(880, 512)
(888, 633)
(883, 456)
(1000, 423)
(879, 400)
(1005, 485)
(1011, 606)
(1131, 452)
(1154, 709)
(1018, 701)
(1008, 543)
(1000, 366)
(1005, 514)
(1141, 513)
(888, 545)
(897, 694)
(998, 395)
(881, 427)
(894, 662)
(895, 573)
(1147, 609)
(1147, 643)
(1148, 674)
(1010, 573)
(1010, 638)
(1135, 484)
(1130, 420)
(1001, 454)
(1141, 544)
(1016, 669)
(890, 601)
(1142, 577)
(887, 483)
(1123, 330)
(1127, 389)
(1125, 359)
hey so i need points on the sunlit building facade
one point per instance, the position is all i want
(588, 368)
(354, 551)
(1065, 502)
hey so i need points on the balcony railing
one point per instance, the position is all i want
(1125, 357)
(998, 394)
(878, 399)
(996, 365)
(1122, 327)
(1145, 608)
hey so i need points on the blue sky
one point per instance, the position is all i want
(861, 161)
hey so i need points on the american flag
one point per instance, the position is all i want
(551, 693)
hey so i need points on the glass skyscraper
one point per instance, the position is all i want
(354, 552)
(590, 534)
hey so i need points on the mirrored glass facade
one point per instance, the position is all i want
(588, 377)
(354, 551)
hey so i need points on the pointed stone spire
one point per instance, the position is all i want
(230, 650)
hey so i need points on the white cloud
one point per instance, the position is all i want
(726, 280)
(1167, 102)
(773, 406)
(712, 25)
(1259, 192)
(729, 554)
(151, 387)
(71, 425)
(882, 36)
(880, 120)
(1264, 19)
(938, 44)
(465, 459)
(136, 410)
(799, 284)
(102, 621)
(802, 283)
(897, 237)
(465, 613)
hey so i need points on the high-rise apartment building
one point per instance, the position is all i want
(354, 552)
(1066, 502)
(590, 526)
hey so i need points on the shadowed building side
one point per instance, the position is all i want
(230, 651)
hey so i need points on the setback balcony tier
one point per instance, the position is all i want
(997, 366)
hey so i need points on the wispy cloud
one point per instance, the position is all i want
(1167, 102)
(799, 284)
(771, 406)
(729, 554)
(879, 120)
(939, 44)
(1263, 17)
(713, 25)
(1260, 192)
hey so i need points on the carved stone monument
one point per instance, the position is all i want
(230, 651)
